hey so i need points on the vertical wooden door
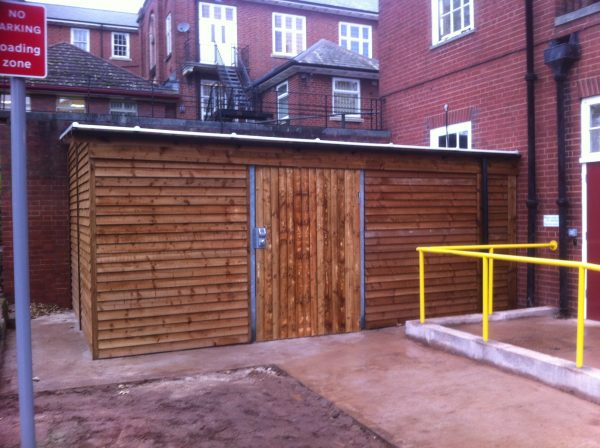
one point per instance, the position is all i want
(308, 276)
(593, 239)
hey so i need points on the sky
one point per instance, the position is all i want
(114, 5)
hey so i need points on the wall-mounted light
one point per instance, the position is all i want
(182, 108)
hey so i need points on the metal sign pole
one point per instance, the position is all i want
(21, 259)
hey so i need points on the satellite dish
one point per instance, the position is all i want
(183, 27)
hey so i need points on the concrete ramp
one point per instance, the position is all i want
(556, 372)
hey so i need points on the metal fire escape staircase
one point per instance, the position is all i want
(234, 98)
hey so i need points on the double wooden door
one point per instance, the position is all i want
(308, 275)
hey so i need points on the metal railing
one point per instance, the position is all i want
(488, 278)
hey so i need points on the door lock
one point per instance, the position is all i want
(260, 237)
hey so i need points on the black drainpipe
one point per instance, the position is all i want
(532, 199)
(560, 56)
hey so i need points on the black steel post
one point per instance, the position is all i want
(563, 201)
(532, 199)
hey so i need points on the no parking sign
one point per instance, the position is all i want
(22, 40)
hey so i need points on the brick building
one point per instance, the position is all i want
(462, 74)
(221, 54)
(79, 87)
(109, 35)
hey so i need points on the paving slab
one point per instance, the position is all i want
(411, 394)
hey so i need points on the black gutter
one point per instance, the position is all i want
(532, 198)
(560, 56)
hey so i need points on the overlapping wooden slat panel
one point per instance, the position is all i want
(404, 210)
(308, 278)
(171, 256)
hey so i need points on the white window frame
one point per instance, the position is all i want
(586, 154)
(123, 108)
(280, 98)
(82, 110)
(114, 45)
(436, 20)
(78, 42)
(169, 34)
(6, 103)
(348, 115)
(457, 128)
(347, 40)
(294, 50)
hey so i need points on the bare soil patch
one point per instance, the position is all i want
(258, 407)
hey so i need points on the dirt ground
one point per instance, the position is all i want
(256, 407)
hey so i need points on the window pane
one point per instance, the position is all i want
(288, 42)
(299, 43)
(229, 14)
(354, 32)
(344, 43)
(467, 16)
(343, 30)
(463, 140)
(456, 25)
(217, 12)
(366, 32)
(442, 141)
(452, 141)
(456, 4)
(277, 21)
(445, 25)
(595, 140)
(595, 115)
(299, 25)
(278, 42)
(288, 23)
(354, 46)
(205, 11)
(445, 6)
(365, 51)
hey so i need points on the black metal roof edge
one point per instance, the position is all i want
(166, 134)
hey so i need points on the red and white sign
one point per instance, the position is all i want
(22, 40)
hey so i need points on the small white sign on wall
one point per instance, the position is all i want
(551, 221)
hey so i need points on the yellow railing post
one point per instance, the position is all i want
(422, 285)
(485, 301)
(580, 318)
(491, 283)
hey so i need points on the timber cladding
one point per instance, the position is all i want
(162, 255)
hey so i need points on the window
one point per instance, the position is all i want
(283, 110)
(119, 108)
(456, 136)
(212, 98)
(70, 104)
(590, 127)
(346, 97)
(451, 18)
(152, 45)
(80, 38)
(289, 34)
(120, 45)
(168, 36)
(356, 38)
(5, 102)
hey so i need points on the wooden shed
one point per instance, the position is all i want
(183, 240)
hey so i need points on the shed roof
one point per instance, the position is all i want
(71, 67)
(87, 129)
(88, 16)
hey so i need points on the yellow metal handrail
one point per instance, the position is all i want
(488, 278)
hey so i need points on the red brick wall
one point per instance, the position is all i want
(481, 76)
(100, 45)
(254, 30)
(48, 213)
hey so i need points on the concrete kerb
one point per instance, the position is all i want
(556, 372)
